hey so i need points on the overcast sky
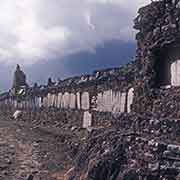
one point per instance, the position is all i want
(35, 30)
(62, 38)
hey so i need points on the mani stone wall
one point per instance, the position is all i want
(109, 90)
(158, 42)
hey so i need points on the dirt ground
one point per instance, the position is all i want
(25, 150)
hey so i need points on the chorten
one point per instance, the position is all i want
(19, 79)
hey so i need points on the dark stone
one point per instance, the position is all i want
(19, 78)
(30, 177)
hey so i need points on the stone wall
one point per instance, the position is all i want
(107, 101)
(105, 91)
(157, 51)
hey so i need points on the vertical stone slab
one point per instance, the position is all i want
(72, 104)
(62, 101)
(65, 101)
(130, 99)
(59, 100)
(45, 101)
(33, 103)
(85, 101)
(123, 102)
(111, 101)
(99, 102)
(40, 101)
(104, 101)
(78, 97)
(56, 101)
(87, 119)
(49, 99)
(175, 73)
(115, 102)
(53, 100)
(119, 101)
(108, 99)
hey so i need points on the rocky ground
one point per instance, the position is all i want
(45, 153)
(133, 147)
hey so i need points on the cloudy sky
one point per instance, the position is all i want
(67, 33)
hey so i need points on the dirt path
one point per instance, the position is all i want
(25, 150)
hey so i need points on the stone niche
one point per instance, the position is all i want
(167, 66)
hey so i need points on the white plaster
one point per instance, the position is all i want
(56, 100)
(45, 101)
(72, 104)
(175, 73)
(40, 101)
(65, 100)
(49, 99)
(111, 101)
(104, 101)
(59, 100)
(122, 102)
(85, 101)
(130, 99)
(78, 97)
(87, 119)
(118, 102)
(53, 100)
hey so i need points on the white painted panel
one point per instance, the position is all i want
(78, 96)
(40, 101)
(59, 100)
(85, 101)
(111, 101)
(15, 103)
(175, 73)
(65, 100)
(118, 102)
(72, 104)
(45, 101)
(123, 102)
(104, 101)
(87, 119)
(56, 100)
(53, 100)
(130, 99)
(49, 99)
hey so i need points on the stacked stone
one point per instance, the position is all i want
(158, 26)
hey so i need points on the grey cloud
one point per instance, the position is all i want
(40, 29)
